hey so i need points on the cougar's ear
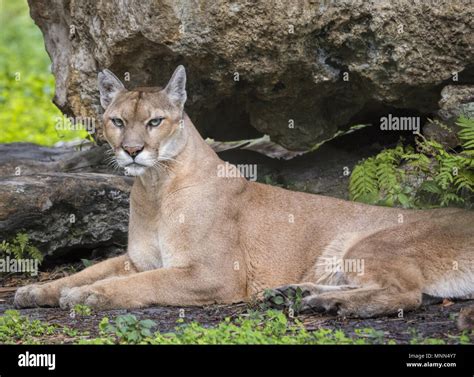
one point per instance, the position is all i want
(176, 88)
(109, 87)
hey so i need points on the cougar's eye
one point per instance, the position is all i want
(117, 122)
(154, 122)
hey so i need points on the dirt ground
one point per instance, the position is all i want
(431, 321)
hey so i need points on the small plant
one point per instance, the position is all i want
(82, 309)
(106, 334)
(271, 179)
(426, 177)
(292, 300)
(376, 335)
(466, 337)
(20, 248)
(86, 262)
(269, 295)
(128, 329)
(15, 328)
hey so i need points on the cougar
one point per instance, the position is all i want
(197, 237)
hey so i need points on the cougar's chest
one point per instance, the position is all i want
(155, 234)
(151, 250)
(143, 245)
(145, 254)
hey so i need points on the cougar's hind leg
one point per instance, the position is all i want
(363, 302)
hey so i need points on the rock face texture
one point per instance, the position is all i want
(70, 202)
(18, 159)
(63, 213)
(297, 71)
(456, 101)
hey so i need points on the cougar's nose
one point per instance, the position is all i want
(133, 151)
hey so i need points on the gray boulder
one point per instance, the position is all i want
(298, 71)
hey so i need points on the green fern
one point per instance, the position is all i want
(466, 134)
(363, 184)
(20, 248)
(465, 180)
(427, 177)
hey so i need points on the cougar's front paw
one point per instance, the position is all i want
(87, 295)
(25, 297)
(35, 295)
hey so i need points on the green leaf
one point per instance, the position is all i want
(278, 300)
(404, 200)
(86, 262)
(147, 323)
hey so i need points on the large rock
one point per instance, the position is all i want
(291, 58)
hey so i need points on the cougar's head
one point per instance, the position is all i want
(143, 126)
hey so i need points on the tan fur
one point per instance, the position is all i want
(196, 238)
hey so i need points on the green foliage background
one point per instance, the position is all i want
(422, 177)
(26, 109)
